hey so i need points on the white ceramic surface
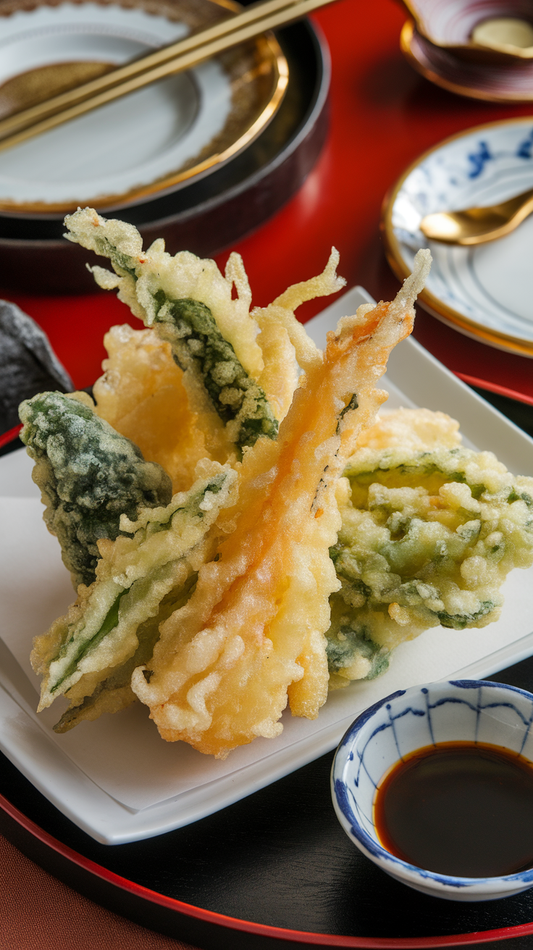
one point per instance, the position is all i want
(115, 778)
(484, 291)
(464, 710)
(117, 152)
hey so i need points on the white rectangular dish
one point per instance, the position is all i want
(115, 778)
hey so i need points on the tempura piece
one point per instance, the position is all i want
(142, 395)
(240, 369)
(190, 305)
(280, 313)
(252, 633)
(89, 476)
(142, 576)
(429, 533)
(411, 429)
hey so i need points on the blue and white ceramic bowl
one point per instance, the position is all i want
(467, 710)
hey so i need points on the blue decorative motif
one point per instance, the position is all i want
(525, 146)
(365, 754)
(479, 159)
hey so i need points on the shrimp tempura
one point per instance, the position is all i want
(251, 637)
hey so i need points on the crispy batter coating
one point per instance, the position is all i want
(239, 368)
(141, 576)
(213, 609)
(252, 634)
(189, 304)
(89, 476)
(429, 533)
(142, 395)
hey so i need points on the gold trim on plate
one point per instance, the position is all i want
(432, 73)
(400, 268)
(258, 72)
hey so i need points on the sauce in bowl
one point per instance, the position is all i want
(458, 808)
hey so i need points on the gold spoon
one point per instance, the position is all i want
(478, 225)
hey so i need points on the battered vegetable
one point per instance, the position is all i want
(89, 476)
(150, 283)
(240, 367)
(141, 576)
(427, 538)
(251, 637)
(213, 609)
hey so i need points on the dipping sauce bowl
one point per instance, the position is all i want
(465, 801)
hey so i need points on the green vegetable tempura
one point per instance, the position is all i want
(427, 538)
(210, 605)
(159, 290)
(141, 578)
(89, 476)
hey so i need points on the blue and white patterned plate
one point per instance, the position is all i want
(486, 291)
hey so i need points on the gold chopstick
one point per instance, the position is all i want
(176, 57)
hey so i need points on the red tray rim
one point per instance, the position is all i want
(305, 938)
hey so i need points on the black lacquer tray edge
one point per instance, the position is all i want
(206, 928)
(202, 927)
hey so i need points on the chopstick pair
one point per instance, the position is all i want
(135, 74)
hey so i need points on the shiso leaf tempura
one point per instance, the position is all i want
(89, 476)
(430, 530)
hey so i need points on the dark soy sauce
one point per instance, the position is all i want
(459, 808)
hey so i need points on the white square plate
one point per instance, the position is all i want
(115, 778)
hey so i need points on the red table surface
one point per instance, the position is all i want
(383, 115)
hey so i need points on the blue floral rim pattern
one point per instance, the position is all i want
(419, 704)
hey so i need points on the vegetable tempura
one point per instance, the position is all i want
(89, 476)
(252, 633)
(141, 577)
(219, 629)
(231, 372)
(429, 532)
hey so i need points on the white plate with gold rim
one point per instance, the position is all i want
(154, 140)
(484, 291)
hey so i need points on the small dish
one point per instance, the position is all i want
(459, 710)
(483, 31)
(501, 81)
(484, 291)
(150, 142)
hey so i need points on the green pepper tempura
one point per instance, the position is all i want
(163, 293)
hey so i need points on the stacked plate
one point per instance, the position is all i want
(200, 158)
